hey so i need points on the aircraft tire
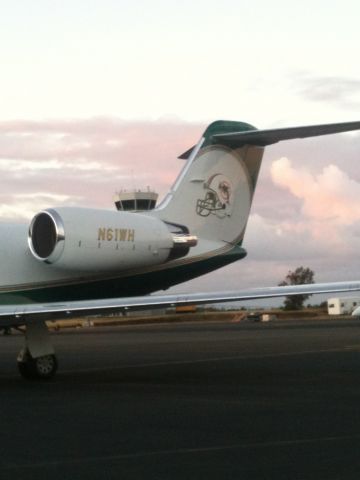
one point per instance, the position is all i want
(41, 368)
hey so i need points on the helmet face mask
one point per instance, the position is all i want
(217, 197)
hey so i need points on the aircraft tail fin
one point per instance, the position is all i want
(213, 194)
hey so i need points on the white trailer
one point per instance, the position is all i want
(342, 306)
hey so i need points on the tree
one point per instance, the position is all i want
(298, 277)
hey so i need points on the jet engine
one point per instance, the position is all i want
(103, 240)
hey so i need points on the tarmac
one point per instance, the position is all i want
(209, 400)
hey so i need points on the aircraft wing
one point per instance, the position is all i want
(262, 138)
(11, 315)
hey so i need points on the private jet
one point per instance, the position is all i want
(74, 261)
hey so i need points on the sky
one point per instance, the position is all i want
(96, 96)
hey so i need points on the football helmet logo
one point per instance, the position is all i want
(217, 197)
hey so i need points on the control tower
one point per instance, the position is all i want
(136, 200)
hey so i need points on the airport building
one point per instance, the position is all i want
(136, 200)
(342, 306)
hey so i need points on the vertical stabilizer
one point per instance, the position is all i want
(212, 195)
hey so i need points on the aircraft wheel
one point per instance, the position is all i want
(41, 368)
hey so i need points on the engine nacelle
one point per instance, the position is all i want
(103, 240)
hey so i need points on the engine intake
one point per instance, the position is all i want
(46, 235)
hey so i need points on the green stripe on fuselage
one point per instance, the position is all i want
(141, 284)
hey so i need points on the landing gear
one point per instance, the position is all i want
(41, 368)
(37, 360)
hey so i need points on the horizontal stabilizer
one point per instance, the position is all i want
(186, 155)
(261, 138)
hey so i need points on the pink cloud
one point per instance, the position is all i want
(91, 158)
(327, 196)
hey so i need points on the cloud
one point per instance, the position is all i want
(325, 232)
(281, 240)
(331, 89)
(35, 166)
(90, 158)
(328, 196)
(25, 206)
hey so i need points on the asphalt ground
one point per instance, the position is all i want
(188, 401)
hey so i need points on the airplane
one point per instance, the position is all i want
(74, 261)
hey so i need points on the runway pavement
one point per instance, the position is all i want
(188, 401)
